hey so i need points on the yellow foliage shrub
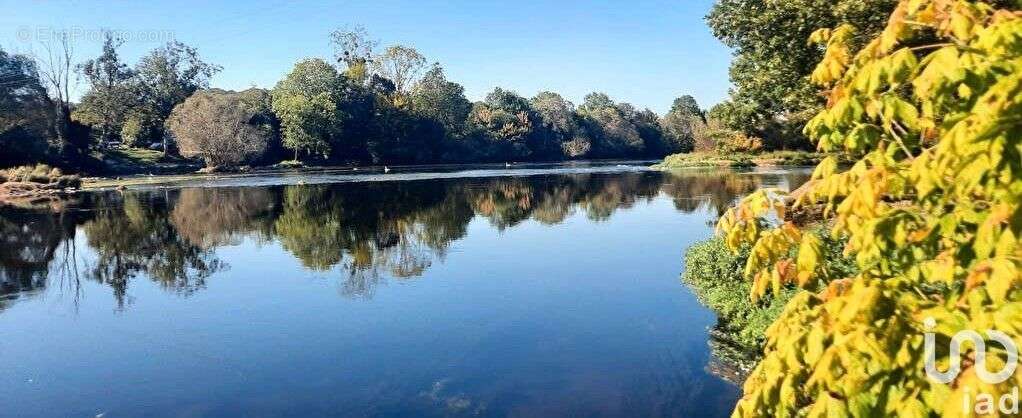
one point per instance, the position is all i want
(932, 109)
(739, 143)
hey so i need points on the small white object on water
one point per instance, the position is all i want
(386, 169)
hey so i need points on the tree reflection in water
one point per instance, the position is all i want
(29, 244)
(370, 231)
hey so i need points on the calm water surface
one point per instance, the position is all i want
(549, 294)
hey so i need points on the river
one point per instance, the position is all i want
(532, 292)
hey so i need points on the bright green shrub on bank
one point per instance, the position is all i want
(715, 275)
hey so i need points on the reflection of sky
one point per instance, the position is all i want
(579, 317)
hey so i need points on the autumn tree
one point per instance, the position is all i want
(504, 114)
(218, 127)
(931, 211)
(772, 94)
(400, 64)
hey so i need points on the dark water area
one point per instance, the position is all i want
(555, 293)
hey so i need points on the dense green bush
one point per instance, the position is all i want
(19, 145)
(715, 275)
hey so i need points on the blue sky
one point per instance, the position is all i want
(646, 53)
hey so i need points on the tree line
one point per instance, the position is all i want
(365, 105)
(772, 96)
(373, 105)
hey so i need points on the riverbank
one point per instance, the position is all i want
(47, 187)
(135, 161)
(35, 186)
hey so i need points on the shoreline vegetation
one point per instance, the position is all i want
(33, 186)
(715, 275)
(364, 106)
(741, 159)
(930, 210)
(133, 167)
(367, 105)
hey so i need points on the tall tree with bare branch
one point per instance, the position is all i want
(354, 49)
(57, 68)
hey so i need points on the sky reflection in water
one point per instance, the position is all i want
(547, 295)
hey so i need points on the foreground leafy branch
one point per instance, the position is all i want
(931, 211)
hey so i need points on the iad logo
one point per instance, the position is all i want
(984, 402)
(981, 355)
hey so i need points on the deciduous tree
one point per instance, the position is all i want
(443, 101)
(166, 77)
(557, 114)
(609, 125)
(56, 66)
(932, 213)
(110, 94)
(770, 71)
(25, 111)
(353, 48)
(401, 65)
(218, 127)
(305, 101)
(682, 123)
